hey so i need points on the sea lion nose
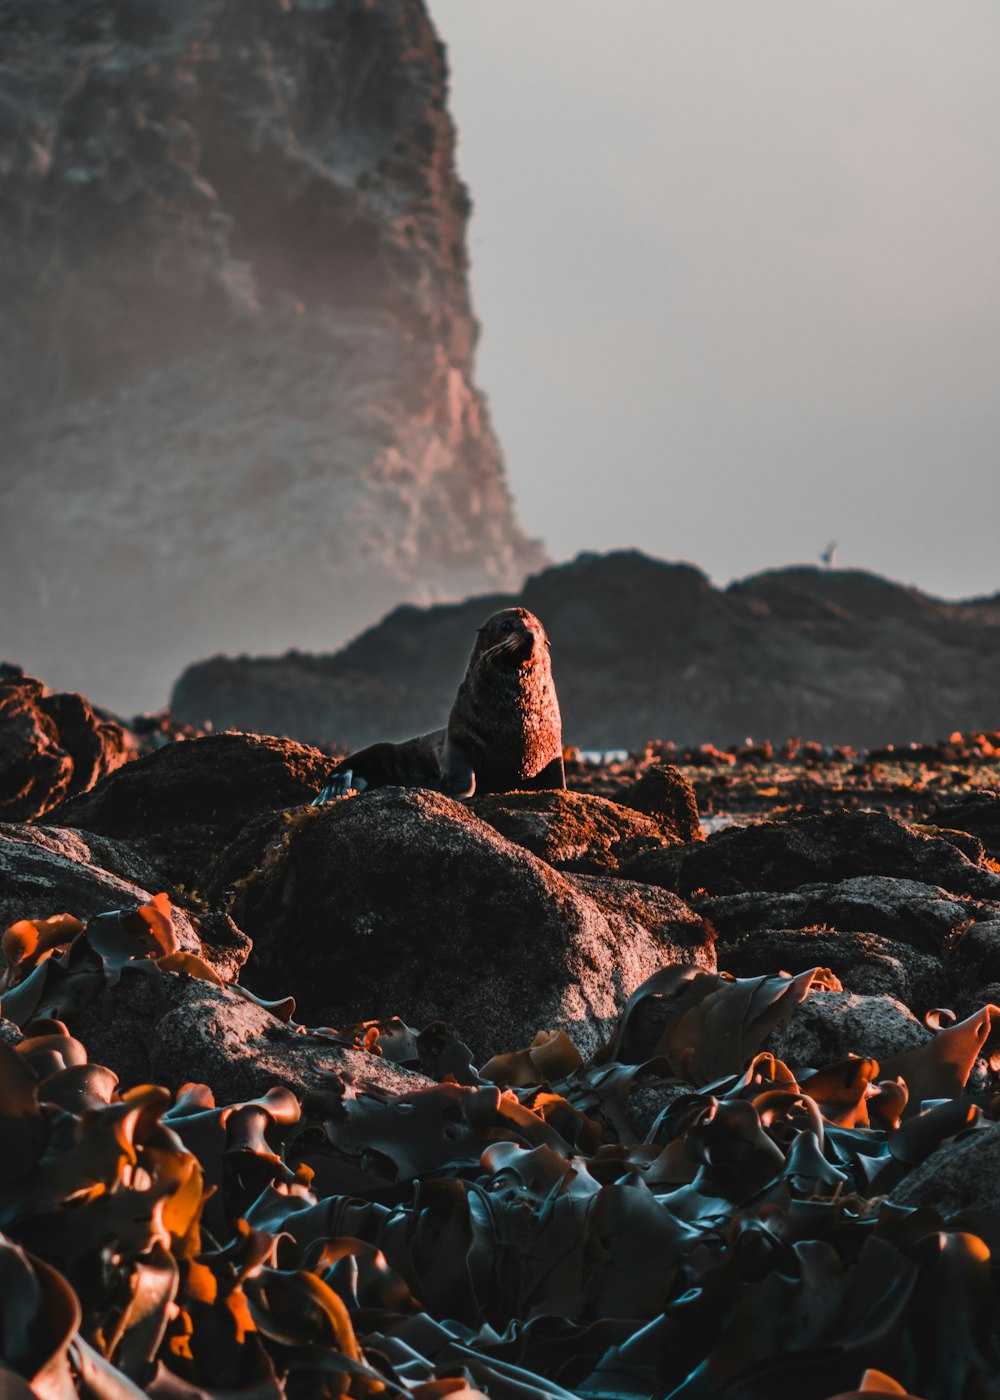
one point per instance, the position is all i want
(529, 636)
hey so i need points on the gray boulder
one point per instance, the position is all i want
(660, 912)
(977, 813)
(48, 870)
(864, 962)
(832, 846)
(974, 959)
(828, 1026)
(178, 1029)
(963, 1174)
(402, 902)
(926, 917)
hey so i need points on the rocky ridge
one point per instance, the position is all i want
(234, 287)
(643, 649)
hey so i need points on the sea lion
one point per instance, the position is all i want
(504, 732)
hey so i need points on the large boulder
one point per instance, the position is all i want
(829, 1026)
(666, 795)
(924, 916)
(661, 912)
(179, 805)
(977, 813)
(863, 962)
(840, 845)
(962, 1175)
(572, 831)
(402, 902)
(49, 870)
(974, 959)
(51, 746)
(178, 1029)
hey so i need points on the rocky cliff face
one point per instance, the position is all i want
(642, 649)
(236, 374)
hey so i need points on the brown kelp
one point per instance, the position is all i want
(510, 1230)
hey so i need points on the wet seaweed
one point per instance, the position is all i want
(503, 1230)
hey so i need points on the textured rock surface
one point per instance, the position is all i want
(963, 1174)
(179, 805)
(828, 1026)
(782, 855)
(664, 794)
(233, 274)
(51, 746)
(211, 1035)
(923, 916)
(662, 913)
(49, 870)
(864, 962)
(978, 814)
(572, 831)
(974, 959)
(644, 649)
(402, 902)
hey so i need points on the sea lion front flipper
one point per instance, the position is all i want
(458, 775)
(339, 785)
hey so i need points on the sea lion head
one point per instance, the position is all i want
(511, 637)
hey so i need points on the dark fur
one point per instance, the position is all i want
(504, 732)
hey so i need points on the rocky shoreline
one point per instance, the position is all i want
(537, 1094)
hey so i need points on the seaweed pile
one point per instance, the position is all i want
(753, 1156)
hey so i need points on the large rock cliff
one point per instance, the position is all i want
(643, 649)
(236, 383)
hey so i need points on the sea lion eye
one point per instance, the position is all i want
(507, 626)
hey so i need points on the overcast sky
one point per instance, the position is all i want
(738, 268)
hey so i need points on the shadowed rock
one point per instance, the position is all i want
(782, 855)
(963, 1174)
(179, 805)
(664, 794)
(49, 870)
(923, 916)
(660, 912)
(403, 902)
(974, 960)
(828, 1026)
(978, 814)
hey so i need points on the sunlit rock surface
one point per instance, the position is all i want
(52, 745)
(236, 380)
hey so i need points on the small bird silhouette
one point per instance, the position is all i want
(829, 555)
